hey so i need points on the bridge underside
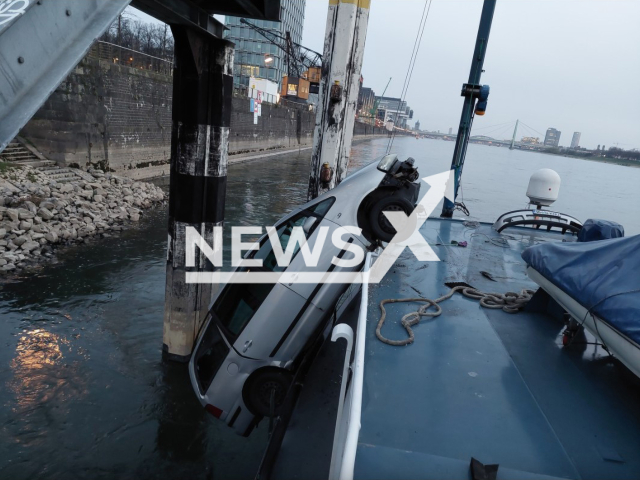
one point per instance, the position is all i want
(42, 41)
(197, 13)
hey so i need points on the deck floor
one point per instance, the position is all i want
(487, 384)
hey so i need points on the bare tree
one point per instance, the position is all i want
(147, 36)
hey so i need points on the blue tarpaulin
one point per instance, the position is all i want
(603, 276)
(594, 229)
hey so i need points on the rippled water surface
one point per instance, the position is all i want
(84, 392)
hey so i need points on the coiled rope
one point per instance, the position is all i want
(510, 302)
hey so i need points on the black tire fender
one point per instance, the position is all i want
(380, 226)
(257, 390)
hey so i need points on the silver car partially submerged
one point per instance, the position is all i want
(253, 340)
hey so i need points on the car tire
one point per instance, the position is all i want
(380, 226)
(257, 395)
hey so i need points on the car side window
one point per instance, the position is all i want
(321, 209)
(285, 230)
(237, 303)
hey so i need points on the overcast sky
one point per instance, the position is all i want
(573, 65)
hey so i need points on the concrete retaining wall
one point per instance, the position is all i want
(118, 118)
(278, 127)
(109, 116)
(366, 129)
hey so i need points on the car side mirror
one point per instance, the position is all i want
(387, 162)
(308, 224)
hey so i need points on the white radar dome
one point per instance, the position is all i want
(544, 186)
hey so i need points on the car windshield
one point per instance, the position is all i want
(238, 302)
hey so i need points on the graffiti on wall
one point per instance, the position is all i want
(10, 9)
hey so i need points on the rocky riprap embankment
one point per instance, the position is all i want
(37, 213)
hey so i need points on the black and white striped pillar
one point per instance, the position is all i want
(202, 94)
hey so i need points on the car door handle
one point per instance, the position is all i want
(247, 345)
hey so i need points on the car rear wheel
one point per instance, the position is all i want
(258, 391)
(381, 228)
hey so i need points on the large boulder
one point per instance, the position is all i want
(26, 225)
(30, 246)
(45, 214)
(13, 214)
(19, 241)
(25, 214)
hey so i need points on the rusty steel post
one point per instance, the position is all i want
(202, 94)
(345, 37)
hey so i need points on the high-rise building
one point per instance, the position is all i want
(450, 130)
(394, 110)
(552, 138)
(575, 141)
(417, 126)
(366, 101)
(255, 56)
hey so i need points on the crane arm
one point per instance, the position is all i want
(301, 55)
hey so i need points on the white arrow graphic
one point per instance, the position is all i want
(408, 228)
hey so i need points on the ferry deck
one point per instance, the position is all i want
(476, 383)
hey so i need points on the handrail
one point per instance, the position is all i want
(343, 462)
(342, 330)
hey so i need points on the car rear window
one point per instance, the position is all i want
(209, 357)
(238, 303)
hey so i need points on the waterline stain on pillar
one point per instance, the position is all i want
(202, 95)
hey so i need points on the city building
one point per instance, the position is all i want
(450, 130)
(255, 56)
(394, 110)
(366, 101)
(552, 138)
(575, 141)
(417, 126)
(530, 140)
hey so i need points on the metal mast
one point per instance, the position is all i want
(344, 41)
(471, 92)
(513, 139)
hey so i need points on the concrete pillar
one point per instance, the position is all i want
(202, 94)
(344, 41)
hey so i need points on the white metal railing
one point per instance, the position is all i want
(345, 441)
(271, 98)
(255, 93)
(266, 97)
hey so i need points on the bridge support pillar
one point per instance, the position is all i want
(202, 93)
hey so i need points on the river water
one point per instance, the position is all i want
(83, 390)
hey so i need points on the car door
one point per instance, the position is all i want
(268, 323)
(254, 317)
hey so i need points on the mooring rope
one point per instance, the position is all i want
(510, 302)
